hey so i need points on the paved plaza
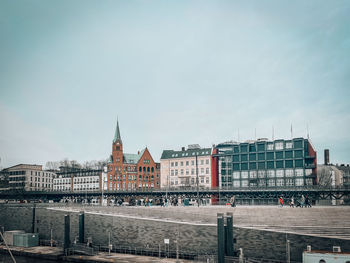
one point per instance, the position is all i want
(325, 221)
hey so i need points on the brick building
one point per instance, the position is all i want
(131, 171)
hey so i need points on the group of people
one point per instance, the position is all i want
(304, 201)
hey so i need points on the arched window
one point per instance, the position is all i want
(322, 261)
(152, 169)
(144, 169)
(140, 169)
(147, 169)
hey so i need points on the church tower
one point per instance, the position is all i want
(115, 168)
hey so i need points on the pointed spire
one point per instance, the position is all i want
(117, 134)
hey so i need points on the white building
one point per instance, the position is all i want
(78, 180)
(179, 169)
(29, 177)
(62, 183)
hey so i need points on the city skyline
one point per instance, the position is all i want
(173, 74)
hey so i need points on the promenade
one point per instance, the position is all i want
(325, 221)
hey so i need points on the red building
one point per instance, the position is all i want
(131, 171)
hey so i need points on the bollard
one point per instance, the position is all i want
(33, 219)
(221, 237)
(66, 232)
(81, 227)
(229, 235)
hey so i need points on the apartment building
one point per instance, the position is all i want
(29, 177)
(179, 169)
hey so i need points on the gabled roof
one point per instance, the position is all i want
(133, 158)
(171, 154)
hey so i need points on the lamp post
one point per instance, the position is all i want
(197, 179)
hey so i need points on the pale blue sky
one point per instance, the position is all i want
(174, 72)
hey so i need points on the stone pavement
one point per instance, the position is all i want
(326, 221)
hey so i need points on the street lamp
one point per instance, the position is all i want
(197, 179)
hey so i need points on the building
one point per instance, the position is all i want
(131, 171)
(264, 163)
(179, 169)
(77, 179)
(346, 173)
(335, 256)
(29, 177)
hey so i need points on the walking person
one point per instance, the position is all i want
(281, 201)
(307, 201)
(233, 201)
(291, 204)
(302, 201)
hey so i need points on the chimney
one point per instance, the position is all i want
(183, 149)
(326, 157)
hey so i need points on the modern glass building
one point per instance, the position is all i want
(264, 163)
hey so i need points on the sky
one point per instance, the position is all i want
(173, 73)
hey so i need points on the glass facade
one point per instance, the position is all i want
(267, 163)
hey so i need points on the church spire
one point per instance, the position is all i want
(117, 134)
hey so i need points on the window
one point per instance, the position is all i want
(187, 172)
(207, 180)
(271, 182)
(261, 165)
(236, 175)
(299, 181)
(278, 145)
(289, 182)
(202, 162)
(236, 158)
(236, 183)
(175, 172)
(269, 155)
(192, 162)
(175, 163)
(244, 148)
(298, 154)
(182, 163)
(252, 148)
(298, 144)
(207, 161)
(289, 163)
(172, 164)
(289, 172)
(270, 146)
(261, 147)
(244, 174)
(289, 145)
(202, 170)
(261, 156)
(182, 171)
(207, 170)
(192, 171)
(279, 173)
(252, 166)
(187, 163)
(261, 174)
(244, 183)
(252, 174)
(244, 166)
(244, 157)
(280, 182)
(299, 163)
(270, 173)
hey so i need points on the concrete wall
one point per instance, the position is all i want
(134, 232)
